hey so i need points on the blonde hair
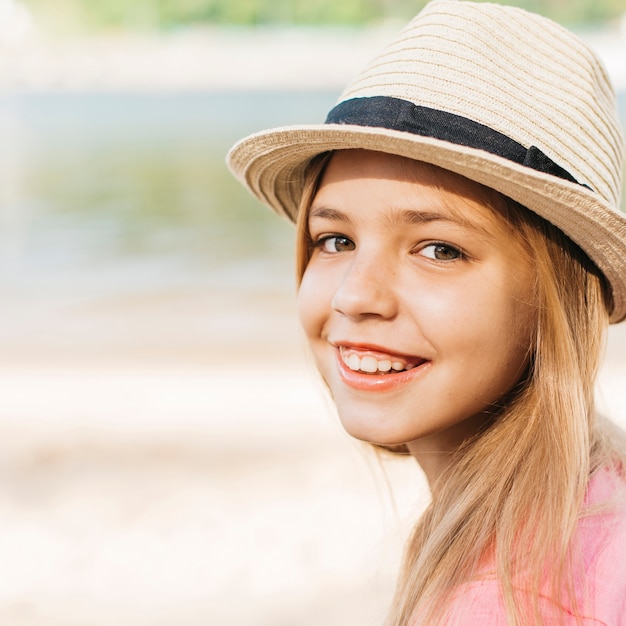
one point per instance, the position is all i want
(512, 495)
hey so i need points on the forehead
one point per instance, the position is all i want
(396, 183)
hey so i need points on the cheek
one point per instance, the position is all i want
(521, 313)
(522, 332)
(488, 323)
(313, 303)
(507, 332)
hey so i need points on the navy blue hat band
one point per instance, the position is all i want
(401, 115)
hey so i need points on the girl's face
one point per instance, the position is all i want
(417, 301)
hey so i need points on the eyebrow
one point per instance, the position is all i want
(327, 213)
(400, 217)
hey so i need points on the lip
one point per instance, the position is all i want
(376, 350)
(377, 382)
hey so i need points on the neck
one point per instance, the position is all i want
(435, 452)
(432, 459)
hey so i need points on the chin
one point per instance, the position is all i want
(378, 436)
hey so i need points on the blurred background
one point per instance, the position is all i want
(167, 455)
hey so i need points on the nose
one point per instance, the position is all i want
(367, 289)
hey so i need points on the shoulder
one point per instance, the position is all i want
(601, 543)
(477, 602)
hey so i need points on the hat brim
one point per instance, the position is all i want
(272, 165)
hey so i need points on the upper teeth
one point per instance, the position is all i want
(372, 365)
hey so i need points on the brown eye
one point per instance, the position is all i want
(441, 252)
(337, 244)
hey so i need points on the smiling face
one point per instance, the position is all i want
(417, 302)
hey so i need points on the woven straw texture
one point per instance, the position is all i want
(512, 71)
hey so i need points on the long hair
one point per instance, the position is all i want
(510, 498)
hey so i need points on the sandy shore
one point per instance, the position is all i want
(160, 481)
(158, 496)
(158, 468)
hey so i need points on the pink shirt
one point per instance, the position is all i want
(601, 539)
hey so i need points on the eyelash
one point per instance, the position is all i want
(460, 255)
(321, 242)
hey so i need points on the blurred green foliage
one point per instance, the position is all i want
(167, 14)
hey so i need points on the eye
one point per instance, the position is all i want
(441, 252)
(335, 243)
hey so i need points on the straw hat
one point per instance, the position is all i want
(499, 95)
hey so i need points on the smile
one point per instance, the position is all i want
(370, 370)
(370, 364)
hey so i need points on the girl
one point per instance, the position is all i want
(460, 256)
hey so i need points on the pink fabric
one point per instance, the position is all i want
(601, 541)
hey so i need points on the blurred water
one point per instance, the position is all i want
(129, 188)
(124, 190)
